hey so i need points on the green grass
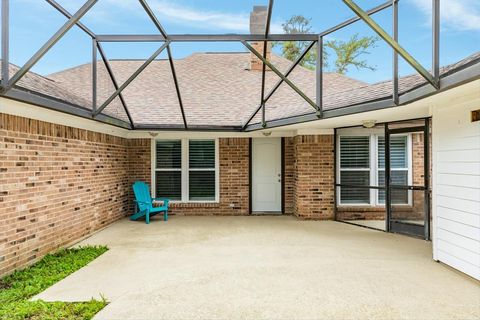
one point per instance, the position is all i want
(17, 288)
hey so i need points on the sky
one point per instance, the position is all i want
(32, 22)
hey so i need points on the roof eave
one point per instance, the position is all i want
(450, 80)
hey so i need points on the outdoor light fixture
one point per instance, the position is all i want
(267, 133)
(369, 123)
(153, 134)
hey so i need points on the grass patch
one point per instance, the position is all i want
(17, 288)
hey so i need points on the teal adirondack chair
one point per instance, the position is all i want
(144, 203)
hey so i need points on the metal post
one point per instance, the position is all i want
(392, 43)
(160, 28)
(395, 54)
(131, 78)
(262, 94)
(319, 76)
(115, 83)
(264, 67)
(262, 98)
(436, 39)
(355, 19)
(279, 83)
(388, 201)
(50, 43)
(335, 177)
(5, 43)
(426, 175)
(154, 19)
(94, 75)
(278, 73)
(177, 87)
(62, 10)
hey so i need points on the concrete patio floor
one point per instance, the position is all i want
(266, 268)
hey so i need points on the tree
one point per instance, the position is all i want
(348, 53)
(292, 49)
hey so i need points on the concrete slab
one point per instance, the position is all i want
(266, 268)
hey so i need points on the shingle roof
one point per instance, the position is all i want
(216, 89)
(348, 97)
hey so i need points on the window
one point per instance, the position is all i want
(398, 165)
(362, 163)
(186, 170)
(355, 169)
(168, 170)
(201, 170)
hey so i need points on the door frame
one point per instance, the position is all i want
(399, 227)
(282, 172)
(426, 129)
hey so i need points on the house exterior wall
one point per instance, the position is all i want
(456, 184)
(314, 177)
(234, 182)
(57, 185)
(60, 184)
(234, 179)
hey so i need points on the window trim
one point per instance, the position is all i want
(185, 170)
(409, 169)
(373, 134)
(369, 169)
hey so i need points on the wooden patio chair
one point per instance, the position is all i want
(144, 204)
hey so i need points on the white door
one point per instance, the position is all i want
(266, 175)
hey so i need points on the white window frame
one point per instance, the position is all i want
(374, 193)
(339, 169)
(186, 170)
(408, 168)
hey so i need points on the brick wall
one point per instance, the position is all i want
(57, 184)
(313, 188)
(289, 174)
(360, 213)
(139, 165)
(234, 179)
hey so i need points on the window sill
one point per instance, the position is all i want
(356, 207)
(359, 207)
(194, 203)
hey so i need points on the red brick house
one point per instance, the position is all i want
(64, 176)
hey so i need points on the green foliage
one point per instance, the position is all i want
(348, 53)
(293, 49)
(41, 310)
(17, 288)
(297, 25)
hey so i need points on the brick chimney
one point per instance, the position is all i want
(258, 20)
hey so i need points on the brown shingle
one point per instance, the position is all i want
(216, 88)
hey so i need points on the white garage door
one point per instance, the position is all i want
(456, 187)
